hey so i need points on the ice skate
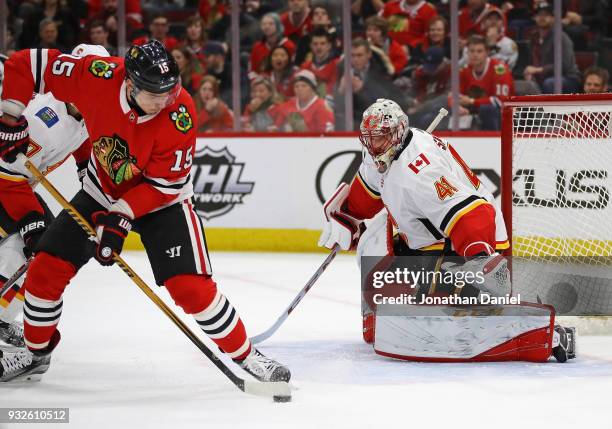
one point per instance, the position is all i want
(264, 368)
(12, 333)
(564, 343)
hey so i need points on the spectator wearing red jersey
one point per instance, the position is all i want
(471, 17)
(297, 21)
(482, 82)
(195, 40)
(408, 20)
(436, 35)
(211, 11)
(190, 79)
(377, 30)
(106, 11)
(159, 31)
(324, 64)
(280, 70)
(213, 113)
(306, 111)
(320, 18)
(272, 30)
(256, 116)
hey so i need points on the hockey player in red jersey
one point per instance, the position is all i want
(57, 131)
(440, 208)
(141, 125)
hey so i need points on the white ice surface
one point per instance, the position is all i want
(122, 364)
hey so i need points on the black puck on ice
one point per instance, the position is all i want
(282, 398)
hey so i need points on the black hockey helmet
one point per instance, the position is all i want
(151, 68)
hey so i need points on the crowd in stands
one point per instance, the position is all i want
(292, 60)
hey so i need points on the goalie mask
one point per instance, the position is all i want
(382, 131)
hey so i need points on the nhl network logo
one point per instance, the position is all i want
(216, 182)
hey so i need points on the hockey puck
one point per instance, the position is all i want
(282, 398)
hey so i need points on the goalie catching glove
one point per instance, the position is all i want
(490, 273)
(340, 227)
(111, 228)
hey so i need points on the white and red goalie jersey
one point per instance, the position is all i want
(54, 136)
(430, 194)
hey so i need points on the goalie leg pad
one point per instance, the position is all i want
(465, 334)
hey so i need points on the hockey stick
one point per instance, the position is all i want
(16, 276)
(252, 387)
(272, 329)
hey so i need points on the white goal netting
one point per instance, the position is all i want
(562, 209)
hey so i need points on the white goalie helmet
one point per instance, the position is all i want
(383, 129)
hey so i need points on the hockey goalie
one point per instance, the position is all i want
(422, 201)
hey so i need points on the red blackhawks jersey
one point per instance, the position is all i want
(326, 74)
(427, 189)
(316, 116)
(296, 30)
(54, 136)
(138, 163)
(471, 23)
(486, 88)
(408, 23)
(261, 50)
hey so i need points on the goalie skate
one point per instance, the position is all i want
(564, 343)
(264, 368)
(12, 333)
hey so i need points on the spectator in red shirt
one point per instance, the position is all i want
(377, 29)
(408, 20)
(106, 11)
(436, 35)
(272, 30)
(195, 40)
(482, 82)
(297, 21)
(211, 11)
(280, 70)
(213, 114)
(472, 16)
(306, 111)
(159, 30)
(256, 116)
(190, 79)
(324, 64)
(320, 18)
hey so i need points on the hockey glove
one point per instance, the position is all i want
(340, 227)
(82, 170)
(31, 228)
(489, 274)
(111, 228)
(14, 139)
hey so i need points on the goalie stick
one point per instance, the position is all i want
(268, 389)
(272, 329)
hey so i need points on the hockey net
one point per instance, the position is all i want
(556, 197)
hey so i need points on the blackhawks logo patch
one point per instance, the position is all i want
(101, 68)
(113, 154)
(500, 69)
(182, 119)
